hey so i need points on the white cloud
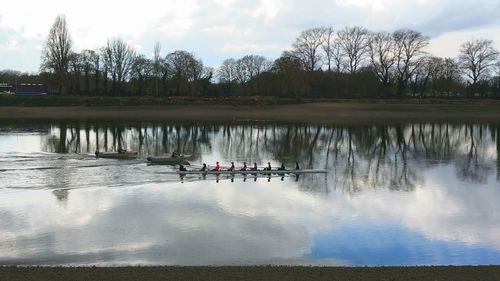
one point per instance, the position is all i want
(219, 29)
(449, 43)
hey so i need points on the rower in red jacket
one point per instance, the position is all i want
(217, 167)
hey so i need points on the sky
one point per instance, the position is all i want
(218, 29)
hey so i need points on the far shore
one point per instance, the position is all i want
(346, 112)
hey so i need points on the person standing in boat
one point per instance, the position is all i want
(204, 168)
(297, 166)
(232, 167)
(244, 166)
(217, 167)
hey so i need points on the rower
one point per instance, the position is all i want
(182, 168)
(121, 150)
(244, 166)
(282, 168)
(217, 167)
(268, 168)
(204, 168)
(254, 167)
(297, 166)
(232, 167)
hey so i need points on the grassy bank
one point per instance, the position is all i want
(456, 273)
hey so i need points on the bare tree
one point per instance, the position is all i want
(227, 71)
(450, 73)
(476, 59)
(432, 69)
(88, 60)
(409, 48)
(329, 46)
(157, 66)
(75, 69)
(106, 60)
(96, 68)
(119, 57)
(353, 41)
(381, 55)
(57, 50)
(307, 48)
(497, 83)
(253, 65)
(240, 71)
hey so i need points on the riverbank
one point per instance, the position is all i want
(345, 112)
(440, 273)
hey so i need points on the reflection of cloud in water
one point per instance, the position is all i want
(451, 210)
(445, 209)
(182, 224)
(210, 223)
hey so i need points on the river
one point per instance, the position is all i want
(412, 194)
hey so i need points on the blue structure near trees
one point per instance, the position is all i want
(31, 90)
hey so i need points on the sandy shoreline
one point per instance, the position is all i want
(328, 112)
(456, 273)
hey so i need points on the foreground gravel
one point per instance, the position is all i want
(437, 273)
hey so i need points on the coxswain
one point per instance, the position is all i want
(182, 168)
(297, 166)
(232, 167)
(217, 167)
(244, 166)
(204, 168)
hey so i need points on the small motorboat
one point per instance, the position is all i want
(117, 155)
(169, 160)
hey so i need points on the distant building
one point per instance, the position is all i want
(30, 90)
(5, 88)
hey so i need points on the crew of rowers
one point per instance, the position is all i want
(244, 168)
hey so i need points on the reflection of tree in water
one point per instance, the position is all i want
(496, 134)
(378, 156)
(471, 165)
(149, 139)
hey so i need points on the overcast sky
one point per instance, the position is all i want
(218, 29)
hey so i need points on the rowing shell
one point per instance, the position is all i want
(296, 172)
(165, 160)
(117, 155)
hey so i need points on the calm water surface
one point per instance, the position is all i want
(410, 194)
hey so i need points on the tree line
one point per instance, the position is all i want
(321, 63)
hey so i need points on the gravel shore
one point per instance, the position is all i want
(274, 273)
